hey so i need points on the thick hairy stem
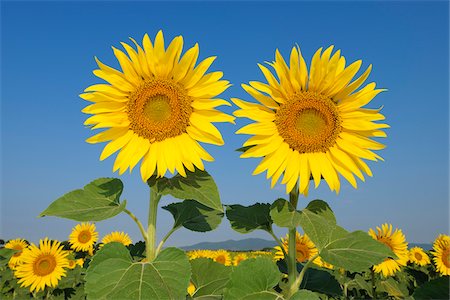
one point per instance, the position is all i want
(151, 229)
(292, 246)
(139, 224)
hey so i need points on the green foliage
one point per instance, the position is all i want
(353, 251)
(316, 279)
(194, 215)
(254, 279)
(321, 208)
(435, 289)
(197, 185)
(209, 278)
(304, 295)
(393, 288)
(246, 219)
(284, 214)
(5, 255)
(99, 200)
(113, 275)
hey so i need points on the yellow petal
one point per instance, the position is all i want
(116, 144)
(186, 64)
(107, 135)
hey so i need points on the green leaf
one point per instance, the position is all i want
(393, 288)
(320, 230)
(284, 214)
(360, 283)
(113, 275)
(197, 185)
(194, 215)
(304, 295)
(355, 252)
(5, 256)
(321, 208)
(209, 277)
(245, 219)
(99, 200)
(434, 289)
(254, 279)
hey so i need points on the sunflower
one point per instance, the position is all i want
(397, 243)
(75, 262)
(200, 253)
(157, 108)
(418, 256)
(83, 237)
(304, 246)
(42, 266)
(19, 245)
(441, 254)
(222, 256)
(238, 258)
(116, 236)
(312, 125)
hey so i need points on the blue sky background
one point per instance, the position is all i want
(47, 61)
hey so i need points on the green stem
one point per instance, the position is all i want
(165, 239)
(374, 295)
(139, 224)
(151, 229)
(300, 277)
(292, 246)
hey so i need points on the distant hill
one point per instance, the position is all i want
(240, 245)
(257, 244)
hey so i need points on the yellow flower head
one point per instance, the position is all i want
(157, 108)
(200, 253)
(312, 124)
(116, 236)
(418, 256)
(304, 246)
(396, 241)
(42, 266)
(222, 256)
(19, 245)
(83, 237)
(238, 258)
(441, 254)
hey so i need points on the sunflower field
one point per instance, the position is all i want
(310, 126)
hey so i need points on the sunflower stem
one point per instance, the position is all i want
(279, 244)
(165, 239)
(300, 277)
(139, 224)
(372, 273)
(292, 249)
(151, 229)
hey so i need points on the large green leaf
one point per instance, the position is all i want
(254, 279)
(355, 252)
(198, 186)
(320, 229)
(321, 208)
(99, 200)
(359, 283)
(304, 295)
(194, 215)
(245, 219)
(209, 278)
(435, 289)
(113, 275)
(284, 214)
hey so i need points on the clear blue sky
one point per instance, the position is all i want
(47, 58)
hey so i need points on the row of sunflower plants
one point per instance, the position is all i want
(309, 127)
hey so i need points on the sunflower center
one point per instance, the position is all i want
(44, 265)
(302, 255)
(221, 259)
(418, 256)
(309, 122)
(84, 237)
(446, 257)
(159, 109)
